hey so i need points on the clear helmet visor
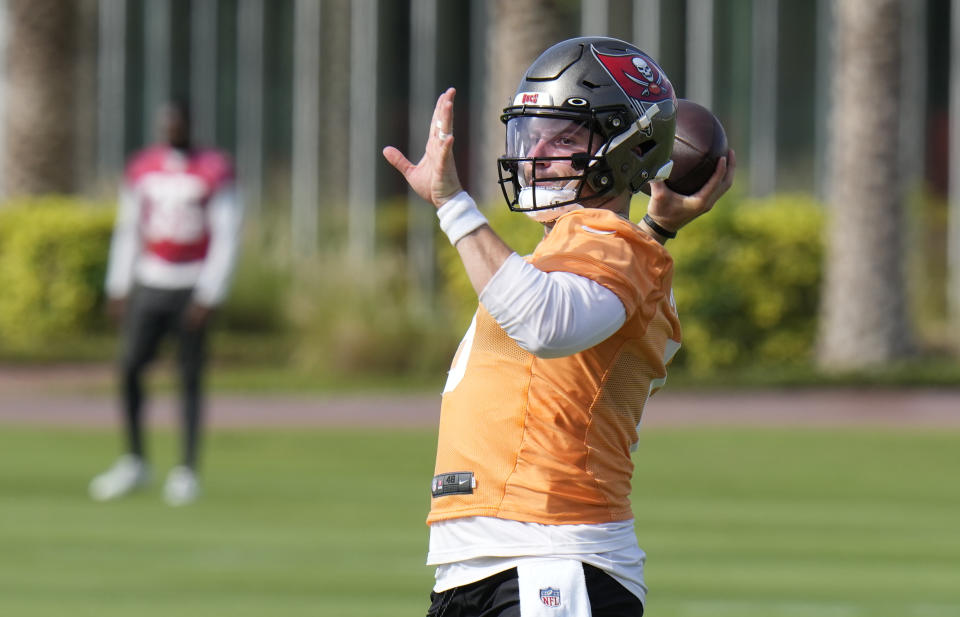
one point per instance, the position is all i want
(547, 150)
(549, 156)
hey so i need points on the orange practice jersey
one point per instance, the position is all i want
(549, 440)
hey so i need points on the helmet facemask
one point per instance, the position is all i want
(549, 157)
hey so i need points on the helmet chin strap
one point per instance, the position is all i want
(548, 196)
(551, 214)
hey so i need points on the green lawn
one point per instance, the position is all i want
(738, 523)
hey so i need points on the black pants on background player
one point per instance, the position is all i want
(151, 316)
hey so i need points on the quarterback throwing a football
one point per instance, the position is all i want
(530, 511)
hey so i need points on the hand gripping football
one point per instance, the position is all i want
(699, 143)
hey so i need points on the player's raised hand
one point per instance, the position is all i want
(673, 210)
(435, 177)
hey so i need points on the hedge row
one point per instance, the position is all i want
(53, 253)
(746, 283)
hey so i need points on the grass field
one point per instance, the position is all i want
(736, 523)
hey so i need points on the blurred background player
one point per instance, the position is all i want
(173, 250)
(530, 512)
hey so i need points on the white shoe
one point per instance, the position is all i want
(128, 474)
(182, 486)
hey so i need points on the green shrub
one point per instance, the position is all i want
(53, 254)
(747, 284)
(927, 263)
(256, 300)
(352, 320)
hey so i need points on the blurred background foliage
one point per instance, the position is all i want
(747, 285)
(343, 274)
(52, 266)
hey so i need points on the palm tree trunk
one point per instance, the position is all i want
(39, 119)
(519, 32)
(863, 319)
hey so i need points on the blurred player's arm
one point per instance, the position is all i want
(124, 248)
(225, 215)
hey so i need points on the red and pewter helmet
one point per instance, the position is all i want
(609, 113)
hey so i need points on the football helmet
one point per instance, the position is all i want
(592, 117)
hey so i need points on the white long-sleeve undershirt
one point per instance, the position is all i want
(551, 314)
(125, 245)
(226, 219)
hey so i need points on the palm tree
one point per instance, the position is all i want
(863, 319)
(38, 117)
(519, 32)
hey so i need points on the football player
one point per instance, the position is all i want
(173, 250)
(530, 511)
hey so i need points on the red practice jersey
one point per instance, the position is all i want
(173, 190)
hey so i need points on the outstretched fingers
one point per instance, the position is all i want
(441, 124)
(720, 181)
(434, 177)
(730, 171)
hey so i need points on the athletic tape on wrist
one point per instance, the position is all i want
(459, 216)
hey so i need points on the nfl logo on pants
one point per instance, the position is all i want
(550, 596)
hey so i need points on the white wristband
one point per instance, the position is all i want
(459, 216)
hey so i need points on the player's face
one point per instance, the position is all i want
(173, 126)
(551, 142)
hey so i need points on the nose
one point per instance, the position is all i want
(540, 149)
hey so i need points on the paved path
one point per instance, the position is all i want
(62, 397)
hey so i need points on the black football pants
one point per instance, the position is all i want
(151, 315)
(499, 596)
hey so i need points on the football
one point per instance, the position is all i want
(699, 143)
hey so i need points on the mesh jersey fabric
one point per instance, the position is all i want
(549, 440)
